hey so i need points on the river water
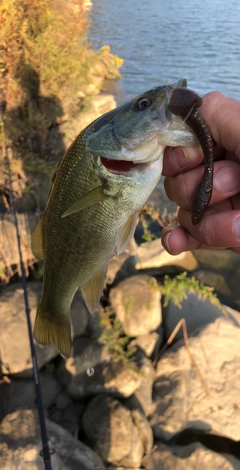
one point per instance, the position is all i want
(164, 40)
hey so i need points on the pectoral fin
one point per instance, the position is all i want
(93, 197)
(37, 246)
(126, 233)
(92, 291)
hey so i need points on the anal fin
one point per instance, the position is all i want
(126, 233)
(92, 291)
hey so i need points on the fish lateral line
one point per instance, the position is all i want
(184, 103)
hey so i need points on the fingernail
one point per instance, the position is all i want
(166, 240)
(178, 157)
(226, 179)
(236, 227)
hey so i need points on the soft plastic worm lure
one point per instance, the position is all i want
(184, 103)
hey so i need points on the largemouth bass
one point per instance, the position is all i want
(99, 188)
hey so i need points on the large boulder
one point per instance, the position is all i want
(193, 456)
(136, 302)
(195, 311)
(153, 255)
(203, 396)
(20, 445)
(112, 432)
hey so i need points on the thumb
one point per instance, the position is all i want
(222, 114)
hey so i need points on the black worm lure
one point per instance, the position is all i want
(184, 103)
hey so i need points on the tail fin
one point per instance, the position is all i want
(58, 331)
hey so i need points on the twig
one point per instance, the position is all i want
(182, 323)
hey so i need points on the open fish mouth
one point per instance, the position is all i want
(120, 167)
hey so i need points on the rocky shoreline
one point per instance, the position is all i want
(175, 410)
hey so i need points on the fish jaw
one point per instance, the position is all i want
(138, 135)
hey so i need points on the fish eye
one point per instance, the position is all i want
(143, 103)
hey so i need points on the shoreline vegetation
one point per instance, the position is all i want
(50, 77)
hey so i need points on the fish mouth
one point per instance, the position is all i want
(120, 167)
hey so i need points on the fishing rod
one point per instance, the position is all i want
(45, 453)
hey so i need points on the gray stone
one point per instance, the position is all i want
(233, 315)
(62, 401)
(141, 399)
(20, 445)
(136, 302)
(86, 353)
(149, 342)
(18, 394)
(123, 266)
(197, 312)
(15, 354)
(182, 400)
(21, 393)
(108, 377)
(50, 388)
(219, 260)
(144, 429)
(109, 426)
(194, 456)
(222, 271)
(153, 255)
(216, 280)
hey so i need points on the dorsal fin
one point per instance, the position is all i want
(92, 291)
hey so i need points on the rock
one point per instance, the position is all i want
(220, 259)
(20, 444)
(50, 388)
(87, 353)
(233, 315)
(21, 393)
(79, 315)
(141, 399)
(136, 302)
(9, 255)
(109, 377)
(153, 255)
(18, 394)
(144, 429)
(148, 342)
(109, 426)
(122, 266)
(62, 401)
(197, 312)
(67, 418)
(180, 399)
(194, 456)
(215, 280)
(15, 354)
(94, 327)
(222, 270)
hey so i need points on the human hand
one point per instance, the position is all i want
(220, 226)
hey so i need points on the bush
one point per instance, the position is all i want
(46, 60)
